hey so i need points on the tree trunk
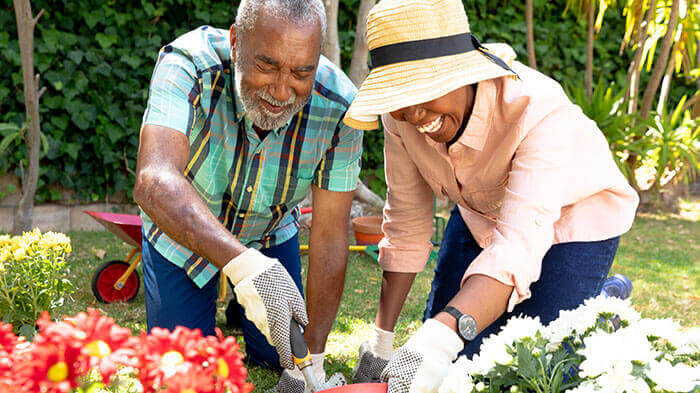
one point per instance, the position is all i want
(666, 85)
(531, 59)
(661, 62)
(367, 196)
(590, 36)
(696, 108)
(358, 64)
(331, 46)
(635, 69)
(25, 32)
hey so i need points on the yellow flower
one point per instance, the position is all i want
(55, 242)
(5, 240)
(4, 255)
(19, 254)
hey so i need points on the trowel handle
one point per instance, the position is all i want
(300, 352)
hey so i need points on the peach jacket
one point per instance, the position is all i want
(530, 170)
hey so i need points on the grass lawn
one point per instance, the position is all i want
(660, 255)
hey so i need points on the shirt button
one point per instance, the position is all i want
(539, 221)
(249, 189)
(241, 215)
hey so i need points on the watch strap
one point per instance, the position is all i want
(453, 311)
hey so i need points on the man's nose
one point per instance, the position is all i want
(281, 90)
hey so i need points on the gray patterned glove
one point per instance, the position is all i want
(370, 365)
(420, 365)
(270, 298)
(289, 383)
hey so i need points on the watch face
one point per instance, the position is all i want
(467, 327)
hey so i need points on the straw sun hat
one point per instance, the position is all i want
(421, 50)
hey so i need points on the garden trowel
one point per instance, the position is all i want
(336, 383)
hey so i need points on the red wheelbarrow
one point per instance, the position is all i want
(117, 281)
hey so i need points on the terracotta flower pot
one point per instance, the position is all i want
(368, 230)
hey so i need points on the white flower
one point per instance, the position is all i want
(619, 379)
(493, 351)
(458, 379)
(667, 329)
(518, 328)
(480, 386)
(585, 316)
(584, 387)
(620, 307)
(603, 351)
(689, 342)
(678, 378)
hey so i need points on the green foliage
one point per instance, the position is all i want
(96, 59)
(32, 277)
(674, 140)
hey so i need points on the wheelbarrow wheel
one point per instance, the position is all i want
(107, 275)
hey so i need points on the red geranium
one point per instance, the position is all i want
(165, 357)
(62, 352)
(8, 348)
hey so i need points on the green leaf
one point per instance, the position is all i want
(27, 331)
(76, 56)
(106, 41)
(72, 149)
(91, 19)
(526, 362)
(7, 140)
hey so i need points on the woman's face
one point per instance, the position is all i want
(441, 118)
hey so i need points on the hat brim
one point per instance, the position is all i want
(401, 85)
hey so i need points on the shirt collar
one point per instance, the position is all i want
(480, 120)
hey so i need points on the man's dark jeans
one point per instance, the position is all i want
(571, 272)
(172, 299)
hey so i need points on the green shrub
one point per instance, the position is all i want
(96, 59)
(32, 277)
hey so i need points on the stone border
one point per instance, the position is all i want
(64, 218)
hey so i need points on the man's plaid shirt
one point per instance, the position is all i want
(252, 186)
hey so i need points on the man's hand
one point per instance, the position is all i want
(270, 298)
(420, 365)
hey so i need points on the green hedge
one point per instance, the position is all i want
(96, 60)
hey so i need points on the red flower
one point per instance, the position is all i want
(62, 352)
(8, 350)
(164, 355)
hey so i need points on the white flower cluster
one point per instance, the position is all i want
(604, 344)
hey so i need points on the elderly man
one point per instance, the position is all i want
(240, 125)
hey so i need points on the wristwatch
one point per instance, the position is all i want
(466, 325)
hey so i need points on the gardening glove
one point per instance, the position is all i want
(374, 356)
(270, 298)
(292, 381)
(420, 365)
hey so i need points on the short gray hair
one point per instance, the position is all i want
(297, 11)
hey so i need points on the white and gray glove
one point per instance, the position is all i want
(420, 365)
(374, 356)
(293, 381)
(270, 298)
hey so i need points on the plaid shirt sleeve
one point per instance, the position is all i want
(340, 167)
(173, 93)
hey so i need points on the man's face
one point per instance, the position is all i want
(275, 66)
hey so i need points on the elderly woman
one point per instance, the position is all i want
(540, 204)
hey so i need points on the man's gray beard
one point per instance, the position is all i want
(259, 115)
